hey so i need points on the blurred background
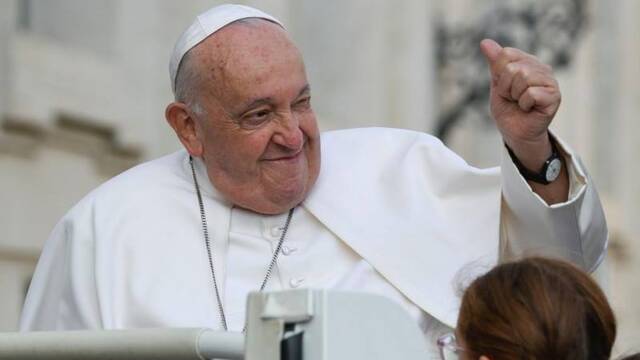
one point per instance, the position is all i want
(84, 85)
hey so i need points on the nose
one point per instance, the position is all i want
(288, 134)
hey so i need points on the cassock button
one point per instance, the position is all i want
(296, 282)
(276, 231)
(286, 251)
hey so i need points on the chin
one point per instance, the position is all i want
(284, 199)
(270, 201)
(278, 195)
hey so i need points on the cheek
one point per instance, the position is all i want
(309, 125)
(239, 151)
(255, 145)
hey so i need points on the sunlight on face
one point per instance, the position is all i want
(260, 137)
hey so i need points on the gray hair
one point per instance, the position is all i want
(187, 83)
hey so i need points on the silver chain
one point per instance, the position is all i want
(208, 245)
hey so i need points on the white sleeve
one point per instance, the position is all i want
(62, 294)
(574, 230)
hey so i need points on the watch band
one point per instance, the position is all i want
(550, 169)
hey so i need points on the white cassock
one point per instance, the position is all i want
(393, 212)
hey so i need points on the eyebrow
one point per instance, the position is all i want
(268, 100)
(305, 89)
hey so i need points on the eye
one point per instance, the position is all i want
(256, 118)
(303, 103)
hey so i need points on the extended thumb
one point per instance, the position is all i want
(490, 49)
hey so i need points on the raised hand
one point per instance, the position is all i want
(524, 98)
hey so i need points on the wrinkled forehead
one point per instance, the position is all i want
(244, 40)
(247, 57)
(207, 24)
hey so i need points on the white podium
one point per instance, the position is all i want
(288, 325)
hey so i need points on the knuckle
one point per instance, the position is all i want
(511, 68)
(531, 92)
(510, 52)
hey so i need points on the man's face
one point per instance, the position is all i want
(259, 135)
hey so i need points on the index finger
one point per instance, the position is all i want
(508, 55)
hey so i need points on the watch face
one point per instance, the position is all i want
(553, 170)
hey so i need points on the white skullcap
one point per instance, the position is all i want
(206, 24)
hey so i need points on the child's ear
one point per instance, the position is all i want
(484, 358)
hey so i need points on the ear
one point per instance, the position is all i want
(484, 358)
(184, 124)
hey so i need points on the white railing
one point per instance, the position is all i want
(292, 325)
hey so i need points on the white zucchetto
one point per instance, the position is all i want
(206, 24)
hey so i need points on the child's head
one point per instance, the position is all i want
(535, 308)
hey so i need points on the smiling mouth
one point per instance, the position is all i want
(287, 158)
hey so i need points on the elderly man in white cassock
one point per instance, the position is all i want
(247, 205)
